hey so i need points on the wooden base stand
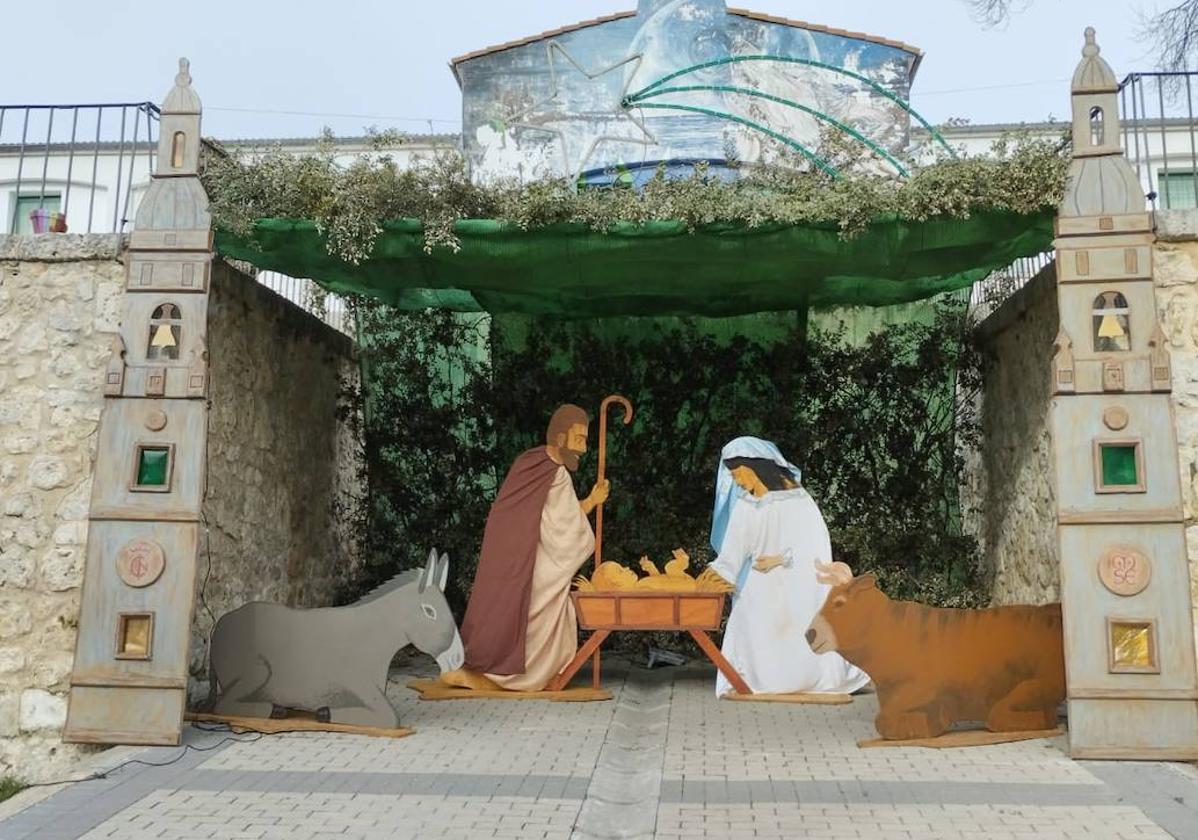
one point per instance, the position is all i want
(590, 650)
(808, 697)
(965, 738)
(437, 690)
(272, 726)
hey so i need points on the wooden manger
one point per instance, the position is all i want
(604, 613)
(649, 610)
(690, 608)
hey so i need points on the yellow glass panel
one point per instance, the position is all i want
(1132, 645)
(134, 636)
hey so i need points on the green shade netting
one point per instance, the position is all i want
(656, 268)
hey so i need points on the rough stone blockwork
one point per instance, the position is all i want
(282, 466)
(1008, 482)
(1008, 489)
(59, 309)
(1175, 260)
(282, 463)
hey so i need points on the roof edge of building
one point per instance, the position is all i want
(745, 13)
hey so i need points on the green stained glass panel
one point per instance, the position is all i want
(152, 467)
(1119, 467)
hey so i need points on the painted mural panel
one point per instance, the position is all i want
(681, 80)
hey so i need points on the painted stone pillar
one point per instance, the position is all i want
(129, 683)
(1125, 586)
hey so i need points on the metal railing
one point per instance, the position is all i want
(990, 292)
(89, 163)
(88, 166)
(307, 295)
(1158, 110)
(1160, 139)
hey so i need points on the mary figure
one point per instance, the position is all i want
(768, 534)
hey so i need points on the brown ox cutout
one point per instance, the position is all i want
(935, 667)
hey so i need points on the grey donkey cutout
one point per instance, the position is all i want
(332, 661)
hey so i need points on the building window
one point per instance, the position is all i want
(178, 149)
(165, 326)
(1097, 131)
(1132, 646)
(135, 635)
(1178, 190)
(1112, 323)
(24, 204)
(1119, 466)
(152, 468)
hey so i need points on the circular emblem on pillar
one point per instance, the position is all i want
(1115, 418)
(1124, 570)
(156, 420)
(140, 562)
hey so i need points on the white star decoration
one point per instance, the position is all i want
(549, 114)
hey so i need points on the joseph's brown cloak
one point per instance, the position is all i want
(497, 614)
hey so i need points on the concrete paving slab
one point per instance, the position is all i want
(664, 759)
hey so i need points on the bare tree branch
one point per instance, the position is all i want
(991, 13)
(1173, 34)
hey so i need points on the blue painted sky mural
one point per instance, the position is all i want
(680, 81)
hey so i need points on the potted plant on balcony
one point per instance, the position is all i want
(39, 219)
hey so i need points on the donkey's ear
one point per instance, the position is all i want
(443, 572)
(429, 570)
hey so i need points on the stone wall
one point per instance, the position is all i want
(282, 466)
(1175, 266)
(1008, 495)
(1008, 482)
(59, 309)
(282, 461)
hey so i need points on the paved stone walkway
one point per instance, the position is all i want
(665, 760)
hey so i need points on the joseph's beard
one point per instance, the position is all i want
(570, 459)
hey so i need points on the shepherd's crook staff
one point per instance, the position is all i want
(614, 398)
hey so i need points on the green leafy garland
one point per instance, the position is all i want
(350, 201)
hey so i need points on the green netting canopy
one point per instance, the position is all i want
(658, 268)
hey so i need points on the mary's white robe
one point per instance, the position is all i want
(764, 639)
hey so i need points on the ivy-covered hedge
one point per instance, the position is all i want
(876, 429)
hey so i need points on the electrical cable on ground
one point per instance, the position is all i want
(104, 774)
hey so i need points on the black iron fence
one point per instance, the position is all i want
(80, 168)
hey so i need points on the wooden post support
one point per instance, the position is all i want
(589, 647)
(713, 653)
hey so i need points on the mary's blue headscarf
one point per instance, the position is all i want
(726, 489)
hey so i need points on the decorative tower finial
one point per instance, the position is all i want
(1101, 181)
(181, 99)
(1093, 74)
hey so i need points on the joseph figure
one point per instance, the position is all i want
(520, 629)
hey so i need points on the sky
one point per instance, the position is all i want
(266, 68)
